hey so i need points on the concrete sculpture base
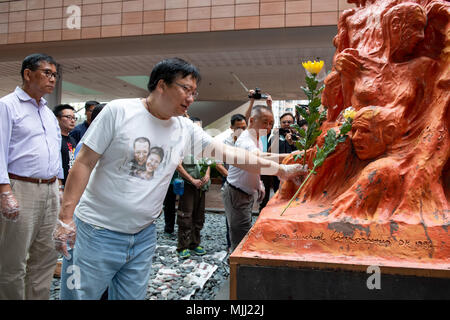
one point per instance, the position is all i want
(304, 256)
(272, 279)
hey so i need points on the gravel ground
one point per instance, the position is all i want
(177, 284)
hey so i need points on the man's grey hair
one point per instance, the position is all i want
(258, 110)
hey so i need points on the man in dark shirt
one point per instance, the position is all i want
(65, 114)
(80, 129)
(284, 137)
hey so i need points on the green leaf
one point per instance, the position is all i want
(301, 144)
(323, 116)
(346, 126)
(307, 92)
(315, 103)
(312, 83)
(320, 90)
(300, 131)
(303, 112)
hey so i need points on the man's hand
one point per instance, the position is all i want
(251, 92)
(61, 195)
(205, 179)
(288, 137)
(64, 231)
(261, 192)
(269, 101)
(197, 183)
(291, 171)
(9, 206)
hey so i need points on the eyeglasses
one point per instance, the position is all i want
(49, 74)
(287, 122)
(188, 90)
(70, 118)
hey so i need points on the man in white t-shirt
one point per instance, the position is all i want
(242, 187)
(115, 208)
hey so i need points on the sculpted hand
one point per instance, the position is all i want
(347, 63)
(9, 206)
(63, 233)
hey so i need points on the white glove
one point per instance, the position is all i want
(292, 171)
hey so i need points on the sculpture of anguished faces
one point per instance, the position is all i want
(373, 130)
(403, 28)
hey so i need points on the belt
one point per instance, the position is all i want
(236, 188)
(33, 180)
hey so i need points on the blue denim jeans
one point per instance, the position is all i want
(104, 259)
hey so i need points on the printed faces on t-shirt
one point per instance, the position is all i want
(146, 158)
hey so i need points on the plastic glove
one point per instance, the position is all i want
(9, 206)
(292, 171)
(62, 234)
(261, 192)
(61, 195)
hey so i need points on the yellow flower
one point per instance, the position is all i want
(349, 113)
(313, 67)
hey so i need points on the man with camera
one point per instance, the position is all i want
(267, 180)
(287, 136)
(283, 140)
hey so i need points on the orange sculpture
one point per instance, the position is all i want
(384, 194)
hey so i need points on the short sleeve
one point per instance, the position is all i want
(100, 133)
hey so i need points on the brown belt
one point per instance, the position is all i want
(33, 180)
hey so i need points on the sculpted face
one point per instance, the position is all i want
(407, 26)
(367, 138)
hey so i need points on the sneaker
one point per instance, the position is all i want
(199, 251)
(184, 254)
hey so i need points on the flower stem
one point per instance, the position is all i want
(295, 195)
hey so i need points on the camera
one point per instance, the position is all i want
(257, 95)
(294, 135)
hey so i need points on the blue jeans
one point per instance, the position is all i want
(104, 259)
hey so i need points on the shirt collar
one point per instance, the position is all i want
(23, 96)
